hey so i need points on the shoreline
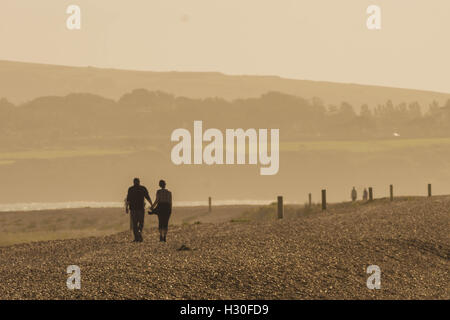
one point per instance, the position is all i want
(51, 206)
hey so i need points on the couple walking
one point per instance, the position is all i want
(162, 207)
(354, 195)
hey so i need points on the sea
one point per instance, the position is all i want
(39, 206)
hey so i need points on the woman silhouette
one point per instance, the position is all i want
(163, 208)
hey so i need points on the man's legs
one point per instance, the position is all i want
(141, 215)
(134, 217)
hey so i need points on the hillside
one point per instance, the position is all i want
(21, 82)
(323, 255)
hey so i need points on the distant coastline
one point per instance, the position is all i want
(40, 206)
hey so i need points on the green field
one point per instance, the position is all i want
(7, 157)
(363, 146)
(6, 162)
(367, 146)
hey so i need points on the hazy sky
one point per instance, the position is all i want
(303, 39)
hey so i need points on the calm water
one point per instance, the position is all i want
(86, 204)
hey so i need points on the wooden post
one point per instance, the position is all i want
(280, 207)
(370, 194)
(209, 204)
(310, 200)
(324, 199)
(391, 192)
(429, 189)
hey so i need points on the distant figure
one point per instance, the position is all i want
(163, 208)
(365, 194)
(354, 194)
(136, 202)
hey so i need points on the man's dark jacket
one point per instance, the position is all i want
(136, 196)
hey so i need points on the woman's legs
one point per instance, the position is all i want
(163, 216)
(166, 227)
(160, 220)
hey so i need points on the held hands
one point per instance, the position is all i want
(152, 207)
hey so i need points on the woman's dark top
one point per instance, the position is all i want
(163, 208)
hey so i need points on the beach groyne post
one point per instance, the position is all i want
(309, 200)
(209, 204)
(429, 189)
(280, 207)
(324, 199)
(391, 192)
(370, 194)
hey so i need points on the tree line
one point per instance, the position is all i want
(143, 113)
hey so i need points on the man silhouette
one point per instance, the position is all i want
(354, 194)
(136, 202)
